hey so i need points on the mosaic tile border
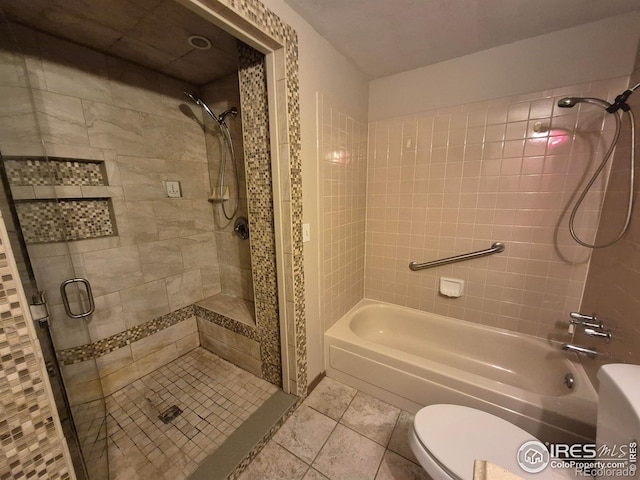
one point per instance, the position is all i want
(46, 221)
(26, 411)
(90, 351)
(269, 24)
(253, 94)
(226, 322)
(40, 171)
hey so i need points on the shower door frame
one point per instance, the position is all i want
(253, 23)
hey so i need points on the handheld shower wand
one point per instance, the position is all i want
(619, 104)
(570, 102)
(198, 101)
(226, 134)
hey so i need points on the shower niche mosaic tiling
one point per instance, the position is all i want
(59, 199)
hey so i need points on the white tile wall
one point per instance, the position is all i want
(342, 210)
(456, 180)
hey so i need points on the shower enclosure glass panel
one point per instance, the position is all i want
(38, 196)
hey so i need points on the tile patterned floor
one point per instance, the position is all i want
(90, 420)
(215, 397)
(339, 433)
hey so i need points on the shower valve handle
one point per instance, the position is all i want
(589, 321)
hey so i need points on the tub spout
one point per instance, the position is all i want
(589, 352)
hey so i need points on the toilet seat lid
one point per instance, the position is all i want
(456, 436)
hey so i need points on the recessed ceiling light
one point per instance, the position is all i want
(199, 42)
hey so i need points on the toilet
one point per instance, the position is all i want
(447, 439)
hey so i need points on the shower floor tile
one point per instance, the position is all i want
(215, 397)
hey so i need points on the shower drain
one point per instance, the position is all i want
(170, 414)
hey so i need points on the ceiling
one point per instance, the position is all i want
(380, 37)
(152, 33)
(384, 37)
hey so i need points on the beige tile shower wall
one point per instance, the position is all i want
(91, 380)
(234, 254)
(343, 191)
(238, 349)
(612, 288)
(97, 107)
(456, 180)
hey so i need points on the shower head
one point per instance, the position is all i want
(193, 97)
(569, 102)
(198, 101)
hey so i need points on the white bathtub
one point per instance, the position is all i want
(411, 358)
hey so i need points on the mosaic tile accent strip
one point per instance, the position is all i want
(253, 95)
(54, 171)
(47, 221)
(226, 322)
(253, 88)
(295, 164)
(26, 415)
(260, 15)
(97, 349)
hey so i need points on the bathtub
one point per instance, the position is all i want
(411, 358)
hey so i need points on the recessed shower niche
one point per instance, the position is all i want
(58, 200)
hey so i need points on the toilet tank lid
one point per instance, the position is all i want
(455, 436)
(625, 378)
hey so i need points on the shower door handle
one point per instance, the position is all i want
(65, 298)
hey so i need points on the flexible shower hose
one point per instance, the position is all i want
(594, 177)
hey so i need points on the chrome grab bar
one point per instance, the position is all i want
(65, 298)
(496, 247)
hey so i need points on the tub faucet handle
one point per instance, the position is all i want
(589, 321)
(592, 332)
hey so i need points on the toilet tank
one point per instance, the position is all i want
(618, 405)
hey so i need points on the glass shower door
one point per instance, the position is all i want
(40, 206)
(62, 306)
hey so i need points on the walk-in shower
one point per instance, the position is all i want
(221, 194)
(86, 198)
(614, 108)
